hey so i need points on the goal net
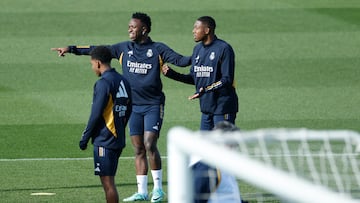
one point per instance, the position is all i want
(271, 165)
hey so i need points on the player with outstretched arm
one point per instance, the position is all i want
(141, 60)
(212, 71)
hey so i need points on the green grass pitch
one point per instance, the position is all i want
(297, 65)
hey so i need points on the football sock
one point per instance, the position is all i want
(142, 181)
(157, 178)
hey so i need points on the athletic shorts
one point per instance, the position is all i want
(146, 118)
(105, 161)
(208, 121)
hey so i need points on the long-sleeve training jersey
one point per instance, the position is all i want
(110, 111)
(213, 68)
(212, 185)
(141, 66)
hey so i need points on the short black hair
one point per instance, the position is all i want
(144, 18)
(101, 53)
(208, 21)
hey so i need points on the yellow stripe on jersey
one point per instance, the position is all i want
(120, 58)
(218, 177)
(109, 116)
(161, 62)
(212, 86)
(83, 47)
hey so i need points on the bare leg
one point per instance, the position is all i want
(141, 164)
(111, 193)
(150, 142)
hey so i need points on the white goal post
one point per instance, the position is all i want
(303, 166)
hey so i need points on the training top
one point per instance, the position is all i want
(213, 68)
(212, 185)
(227, 190)
(141, 66)
(110, 111)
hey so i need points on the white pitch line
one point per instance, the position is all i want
(43, 193)
(46, 159)
(61, 159)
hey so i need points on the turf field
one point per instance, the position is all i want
(297, 65)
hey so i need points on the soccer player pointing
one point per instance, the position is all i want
(141, 60)
(212, 71)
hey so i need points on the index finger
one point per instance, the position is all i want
(193, 96)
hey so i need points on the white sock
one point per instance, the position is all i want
(157, 178)
(142, 181)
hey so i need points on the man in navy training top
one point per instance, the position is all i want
(141, 60)
(212, 71)
(110, 112)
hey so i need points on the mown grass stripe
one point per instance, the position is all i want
(62, 159)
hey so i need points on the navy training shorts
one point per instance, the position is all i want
(146, 118)
(208, 121)
(106, 161)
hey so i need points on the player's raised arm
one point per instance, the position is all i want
(170, 73)
(170, 56)
(77, 50)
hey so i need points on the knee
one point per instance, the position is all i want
(150, 142)
(150, 146)
(108, 184)
(109, 188)
(140, 150)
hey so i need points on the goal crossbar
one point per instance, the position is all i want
(183, 143)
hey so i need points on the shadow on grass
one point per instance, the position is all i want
(59, 188)
(69, 187)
